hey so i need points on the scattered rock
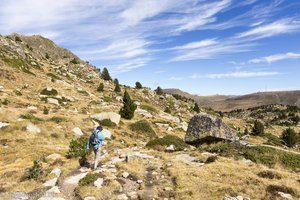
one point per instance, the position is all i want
(1, 88)
(168, 189)
(53, 101)
(114, 117)
(53, 190)
(139, 181)
(32, 128)
(122, 197)
(56, 172)
(170, 148)
(189, 160)
(54, 156)
(169, 117)
(285, 195)
(144, 113)
(99, 182)
(50, 183)
(20, 195)
(125, 174)
(75, 179)
(32, 108)
(77, 131)
(106, 133)
(89, 198)
(3, 124)
(207, 128)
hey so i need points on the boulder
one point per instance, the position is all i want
(32, 128)
(50, 183)
(77, 131)
(204, 128)
(169, 117)
(98, 183)
(56, 172)
(53, 101)
(114, 117)
(54, 156)
(3, 124)
(106, 133)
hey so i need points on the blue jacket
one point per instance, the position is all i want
(100, 138)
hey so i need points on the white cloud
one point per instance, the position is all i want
(193, 45)
(268, 30)
(275, 58)
(175, 78)
(242, 74)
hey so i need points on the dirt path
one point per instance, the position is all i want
(274, 147)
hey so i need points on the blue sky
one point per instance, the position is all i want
(203, 47)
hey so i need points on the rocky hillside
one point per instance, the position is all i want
(50, 101)
(227, 103)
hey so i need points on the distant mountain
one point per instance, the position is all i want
(226, 103)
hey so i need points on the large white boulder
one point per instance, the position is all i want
(106, 133)
(114, 117)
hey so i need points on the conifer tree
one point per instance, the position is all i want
(105, 74)
(258, 128)
(100, 87)
(138, 85)
(117, 86)
(159, 91)
(196, 108)
(127, 111)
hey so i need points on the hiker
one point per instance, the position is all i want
(95, 141)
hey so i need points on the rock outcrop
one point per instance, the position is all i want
(113, 117)
(204, 128)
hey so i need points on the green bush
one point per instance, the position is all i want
(211, 159)
(107, 122)
(18, 92)
(274, 189)
(273, 139)
(258, 128)
(89, 179)
(196, 108)
(52, 92)
(167, 110)
(57, 119)
(34, 172)
(143, 127)
(75, 61)
(290, 137)
(31, 117)
(45, 111)
(129, 107)
(162, 143)
(77, 148)
(100, 87)
(18, 39)
(159, 91)
(269, 174)
(117, 86)
(47, 56)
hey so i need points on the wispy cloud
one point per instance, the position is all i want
(276, 57)
(175, 78)
(242, 74)
(268, 30)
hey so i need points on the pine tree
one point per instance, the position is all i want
(159, 91)
(105, 74)
(290, 137)
(138, 85)
(117, 86)
(100, 87)
(127, 111)
(258, 128)
(196, 108)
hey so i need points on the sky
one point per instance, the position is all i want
(204, 47)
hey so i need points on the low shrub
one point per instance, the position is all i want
(18, 92)
(57, 119)
(77, 148)
(211, 159)
(274, 189)
(35, 171)
(290, 137)
(46, 111)
(31, 117)
(89, 179)
(107, 122)
(52, 92)
(143, 127)
(273, 139)
(162, 143)
(269, 175)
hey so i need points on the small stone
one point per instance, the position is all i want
(56, 172)
(3, 124)
(132, 195)
(99, 182)
(77, 131)
(139, 181)
(285, 195)
(168, 189)
(53, 101)
(89, 198)
(125, 174)
(20, 196)
(54, 156)
(122, 197)
(239, 198)
(170, 148)
(32, 128)
(50, 183)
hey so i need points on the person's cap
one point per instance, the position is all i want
(99, 128)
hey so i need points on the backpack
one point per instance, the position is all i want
(94, 139)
